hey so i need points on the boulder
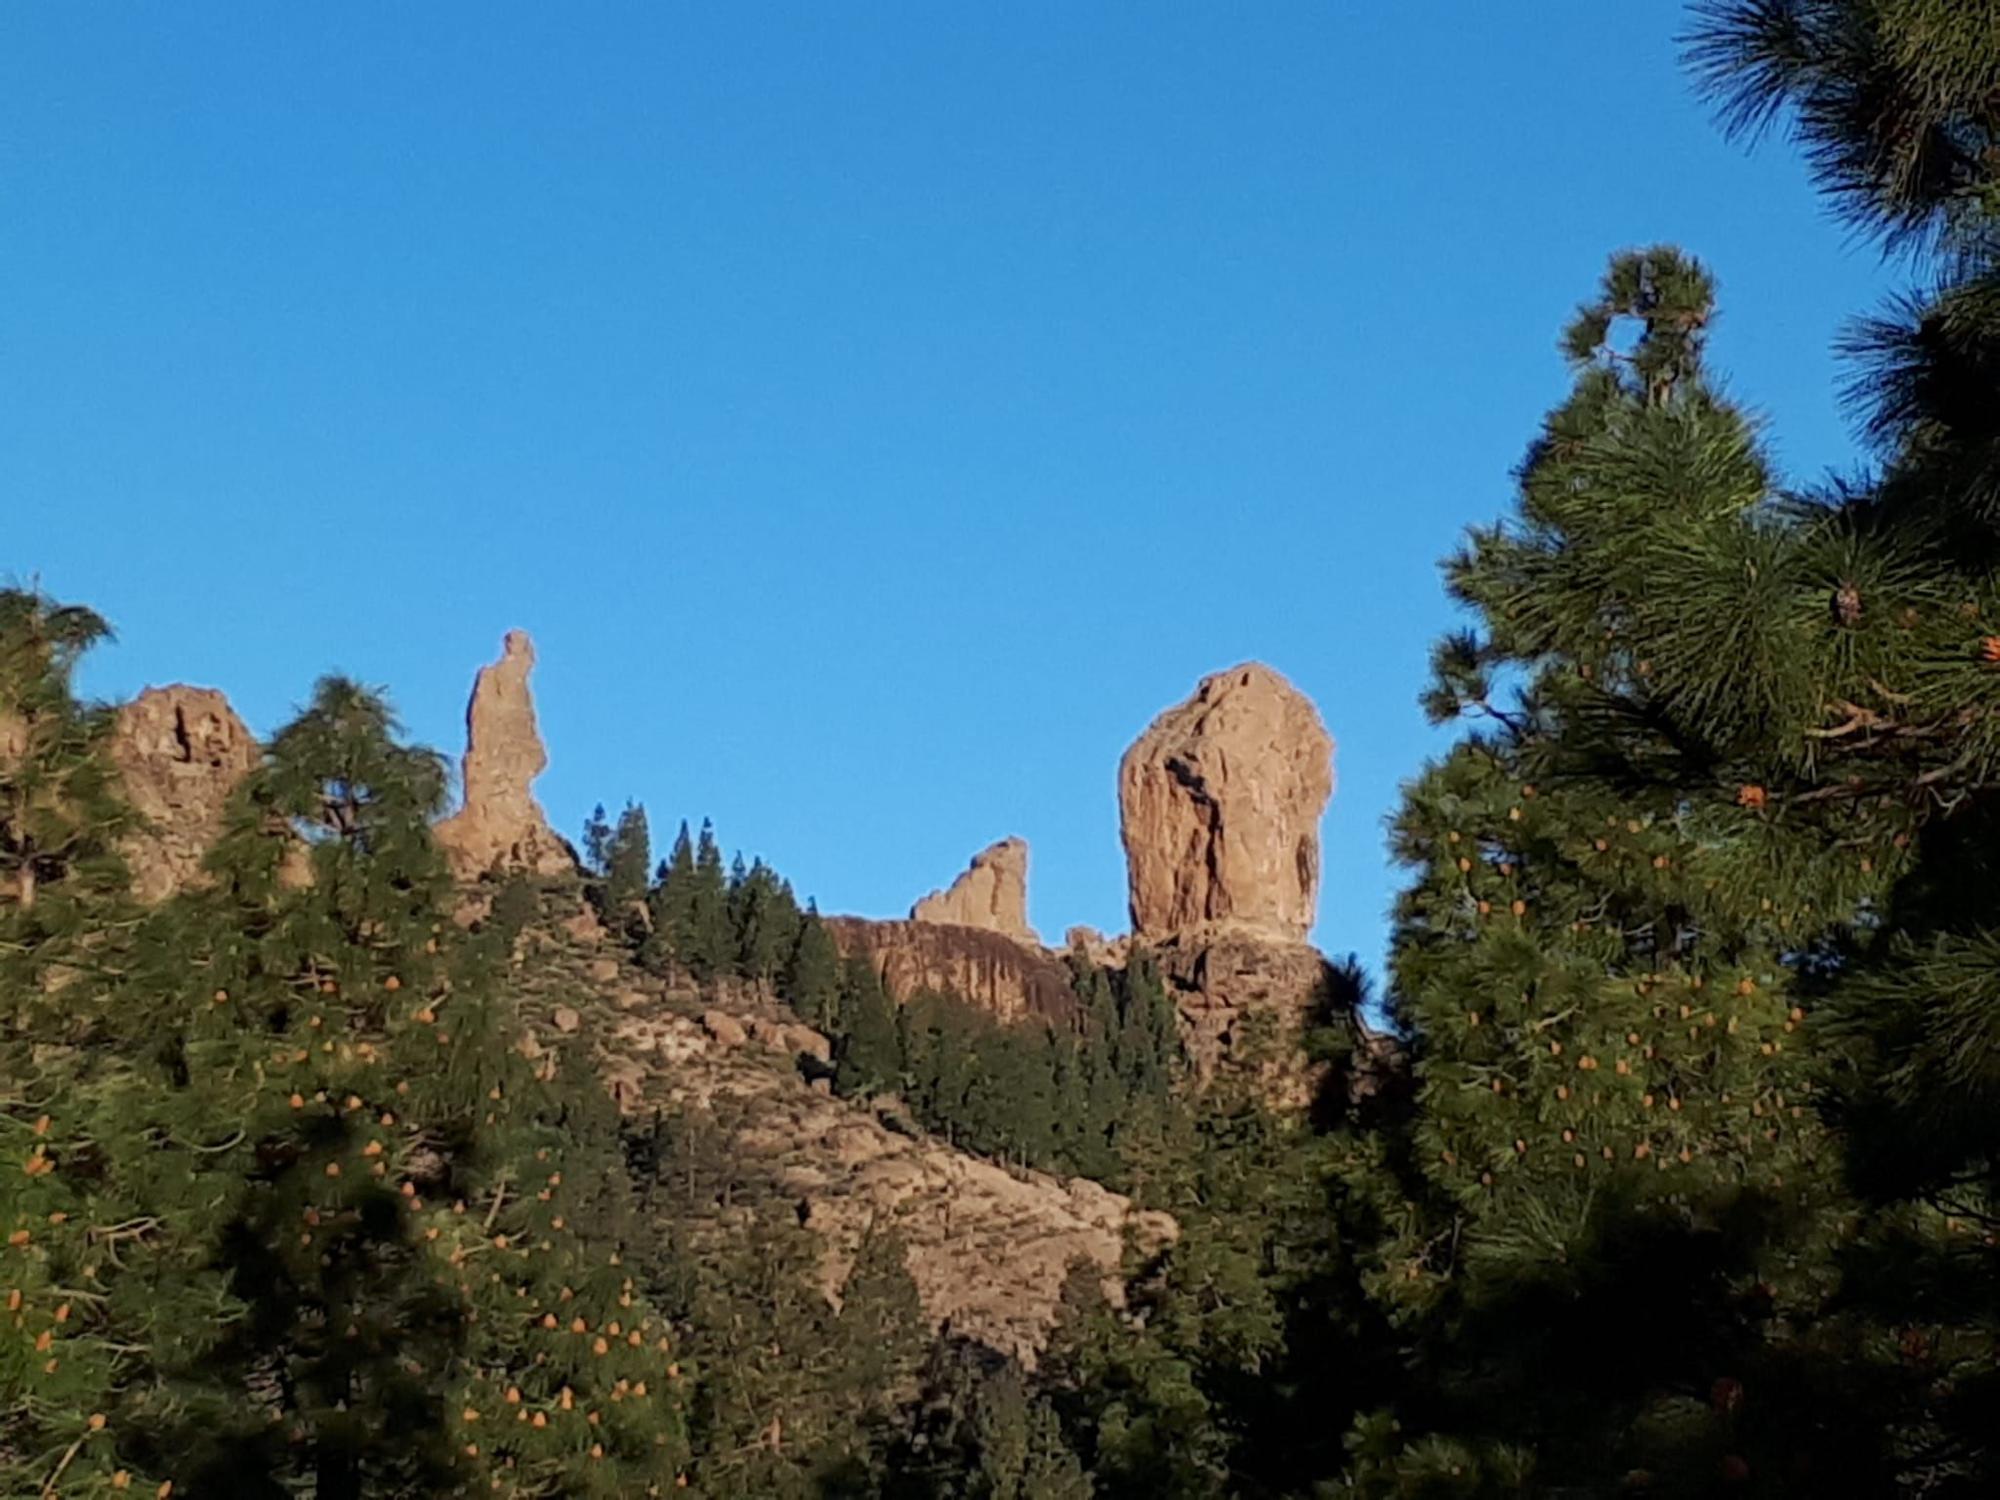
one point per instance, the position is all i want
(501, 828)
(724, 1028)
(1219, 805)
(992, 894)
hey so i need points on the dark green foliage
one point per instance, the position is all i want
(710, 945)
(628, 863)
(981, 1431)
(60, 812)
(866, 1053)
(670, 907)
(811, 978)
(793, 1397)
(597, 842)
(764, 918)
(708, 925)
(277, 1234)
(1040, 1095)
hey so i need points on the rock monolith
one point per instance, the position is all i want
(1219, 804)
(501, 827)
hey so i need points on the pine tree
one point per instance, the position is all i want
(765, 921)
(307, 1218)
(867, 1055)
(59, 811)
(711, 946)
(811, 983)
(671, 906)
(628, 857)
(1627, 875)
(597, 843)
(1897, 106)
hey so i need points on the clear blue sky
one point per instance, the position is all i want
(876, 412)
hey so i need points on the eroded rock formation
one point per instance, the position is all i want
(1219, 805)
(501, 827)
(992, 894)
(180, 752)
(1009, 979)
(1220, 802)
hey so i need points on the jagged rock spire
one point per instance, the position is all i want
(991, 894)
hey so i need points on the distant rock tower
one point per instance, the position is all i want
(501, 827)
(1220, 802)
(992, 893)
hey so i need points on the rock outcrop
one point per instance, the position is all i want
(1219, 804)
(991, 894)
(1010, 980)
(1243, 1000)
(501, 827)
(987, 1247)
(180, 752)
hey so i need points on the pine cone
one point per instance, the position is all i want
(1846, 604)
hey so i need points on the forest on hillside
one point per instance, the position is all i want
(1689, 1183)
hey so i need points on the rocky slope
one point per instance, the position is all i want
(987, 1246)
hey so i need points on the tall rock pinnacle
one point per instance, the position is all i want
(1219, 804)
(501, 827)
(992, 893)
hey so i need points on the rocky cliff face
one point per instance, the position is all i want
(501, 827)
(1010, 980)
(1243, 1000)
(180, 752)
(992, 894)
(1219, 805)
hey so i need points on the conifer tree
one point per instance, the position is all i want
(628, 859)
(868, 1053)
(711, 947)
(308, 1222)
(1629, 877)
(1897, 106)
(811, 983)
(59, 812)
(765, 920)
(671, 906)
(597, 842)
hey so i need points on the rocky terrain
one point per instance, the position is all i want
(1220, 801)
(987, 1246)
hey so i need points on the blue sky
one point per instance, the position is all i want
(876, 412)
